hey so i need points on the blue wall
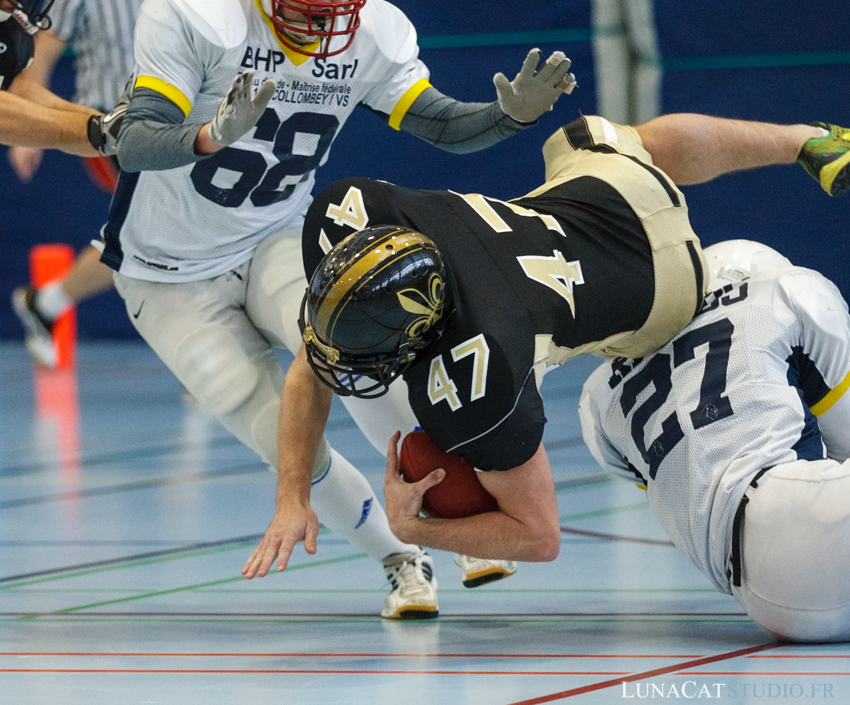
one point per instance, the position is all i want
(780, 61)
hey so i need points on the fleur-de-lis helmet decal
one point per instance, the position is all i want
(427, 306)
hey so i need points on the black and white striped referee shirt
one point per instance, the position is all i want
(100, 33)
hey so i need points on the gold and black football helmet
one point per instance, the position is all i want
(375, 303)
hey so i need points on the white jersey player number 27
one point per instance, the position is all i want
(713, 405)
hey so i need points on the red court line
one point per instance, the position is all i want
(614, 537)
(648, 674)
(347, 655)
(313, 671)
(803, 656)
(762, 673)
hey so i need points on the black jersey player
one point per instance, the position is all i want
(471, 299)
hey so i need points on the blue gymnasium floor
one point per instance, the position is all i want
(126, 515)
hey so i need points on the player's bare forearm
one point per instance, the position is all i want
(25, 87)
(304, 407)
(525, 529)
(305, 404)
(27, 124)
(493, 535)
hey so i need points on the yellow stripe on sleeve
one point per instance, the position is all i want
(834, 395)
(403, 105)
(175, 95)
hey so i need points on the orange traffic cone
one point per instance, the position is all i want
(47, 263)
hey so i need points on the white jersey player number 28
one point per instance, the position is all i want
(255, 178)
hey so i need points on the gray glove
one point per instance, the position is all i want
(534, 92)
(237, 113)
(103, 129)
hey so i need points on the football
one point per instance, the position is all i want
(460, 494)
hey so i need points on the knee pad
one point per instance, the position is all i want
(323, 460)
(215, 369)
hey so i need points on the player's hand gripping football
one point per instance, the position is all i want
(533, 91)
(404, 499)
(293, 522)
(238, 112)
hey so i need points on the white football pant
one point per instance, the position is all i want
(217, 337)
(795, 551)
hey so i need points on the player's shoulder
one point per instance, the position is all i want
(223, 23)
(597, 383)
(390, 29)
(797, 280)
(788, 290)
(805, 294)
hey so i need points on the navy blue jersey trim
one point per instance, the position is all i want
(638, 474)
(804, 374)
(113, 255)
(810, 446)
(805, 377)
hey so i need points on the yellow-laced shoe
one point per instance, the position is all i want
(480, 571)
(827, 159)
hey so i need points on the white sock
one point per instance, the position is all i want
(344, 502)
(52, 301)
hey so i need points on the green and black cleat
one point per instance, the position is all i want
(827, 159)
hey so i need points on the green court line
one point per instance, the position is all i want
(186, 588)
(323, 530)
(603, 512)
(590, 483)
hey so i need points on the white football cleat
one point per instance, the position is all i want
(414, 593)
(480, 571)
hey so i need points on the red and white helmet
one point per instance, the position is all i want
(319, 21)
(736, 260)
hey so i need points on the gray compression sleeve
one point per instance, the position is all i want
(458, 127)
(153, 135)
